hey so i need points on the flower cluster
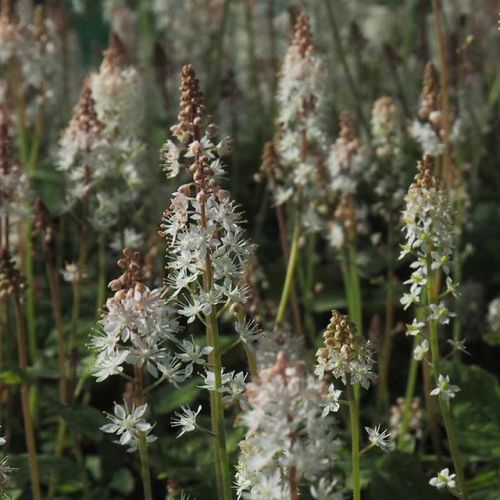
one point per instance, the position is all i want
(346, 166)
(35, 48)
(287, 439)
(118, 92)
(428, 130)
(429, 233)
(415, 421)
(345, 355)
(13, 181)
(100, 151)
(207, 248)
(129, 424)
(301, 140)
(83, 151)
(387, 174)
(135, 328)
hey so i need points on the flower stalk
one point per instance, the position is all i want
(355, 453)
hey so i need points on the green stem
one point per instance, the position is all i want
(383, 396)
(145, 468)
(443, 405)
(30, 292)
(308, 284)
(290, 271)
(252, 363)
(101, 283)
(411, 384)
(20, 106)
(355, 285)
(356, 471)
(457, 278)
(217, 410)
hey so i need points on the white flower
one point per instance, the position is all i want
(414, 328)
(110, 364)
(421, 350)
(444, 388)
(71, 273)
(186, 419)
(210, 382)
(444, 480)
(427, 138)
(284, 401)
(130, 239)
(440, 313)
(128, 422)
(332, 401)
(193, 353)
(249, 332)
(382, 440)
(323, 490)
(494, 314)
(409, 298)
(234, 390)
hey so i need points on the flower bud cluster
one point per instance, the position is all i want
(345, 354)
(287, 439)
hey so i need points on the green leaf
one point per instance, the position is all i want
(492, 338)
(83, 419)
(476, 410)
(168, 399)
(123, 482)
(10, 377)
(48, 464)
(398, 475)
(326, 303)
